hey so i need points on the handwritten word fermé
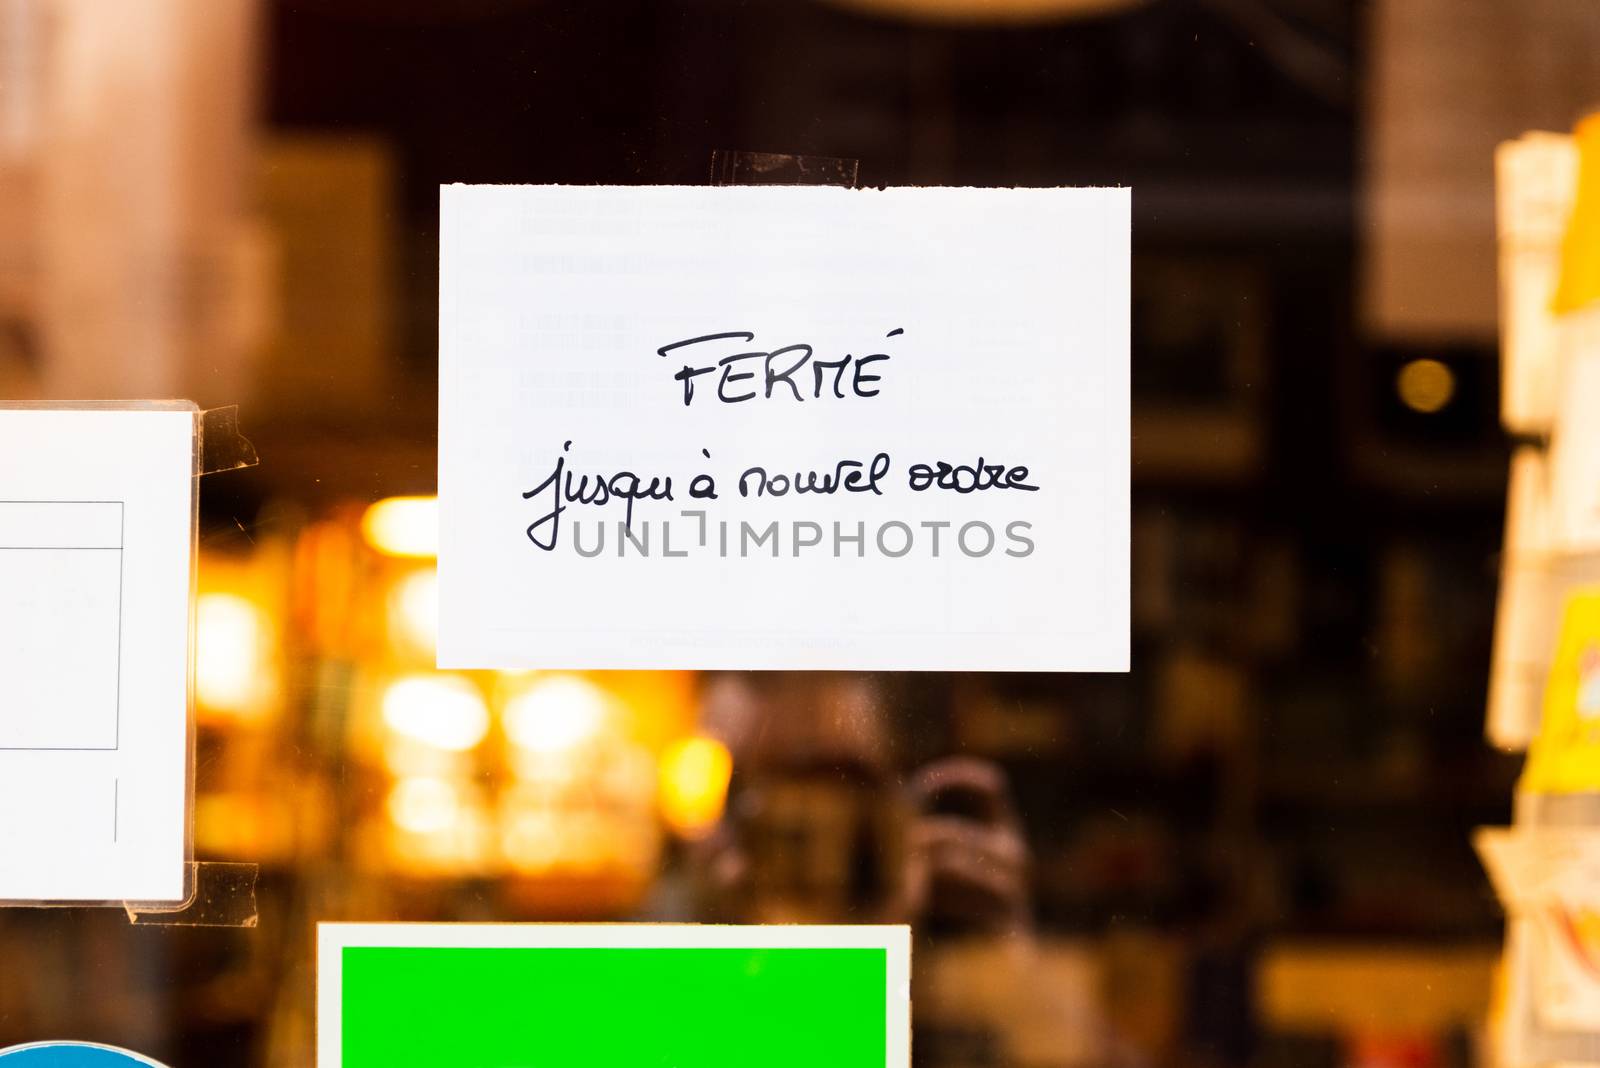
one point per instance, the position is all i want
(750, 373)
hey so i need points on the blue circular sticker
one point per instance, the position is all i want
(71, 1055)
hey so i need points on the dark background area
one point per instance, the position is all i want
(1300, 741)
(1297, 758)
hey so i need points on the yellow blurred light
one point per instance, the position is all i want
(423, 805)
(404, 756)
(531, 841)
(414, 608)
(229, 662)
(1425, 385)
(442, 711)
(694, 784)
(557, 714)
(403, 526)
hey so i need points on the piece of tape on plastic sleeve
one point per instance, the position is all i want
(222, 447)
(224, 896)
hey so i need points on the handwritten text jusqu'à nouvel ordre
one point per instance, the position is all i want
(787, 374)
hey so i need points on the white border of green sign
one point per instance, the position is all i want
(334, 938)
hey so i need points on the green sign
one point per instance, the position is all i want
(613, 996)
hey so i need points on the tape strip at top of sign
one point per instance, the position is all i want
(780, 427)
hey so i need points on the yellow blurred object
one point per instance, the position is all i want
(441, 711)
(658, 707)
(578, 821)
(414, 610)
(1565, 757)
(1497, 1016)
(435, 826)
(424, 805)
(557, 714)
(324, 585)
(231, 662)
(1376, 988)
(262, 826)
(695, 773)
(597, 826)
(1579, 284)
(1425, 385)
(403, 526)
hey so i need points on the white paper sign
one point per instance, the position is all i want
(780, 427)
(95, 542)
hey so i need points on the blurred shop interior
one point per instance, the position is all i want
(1253, 850)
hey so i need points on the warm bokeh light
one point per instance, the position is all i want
(556, 714)
(1425, 385)
(423, 805)
(403, 526)
(442, 711)
(230, 661)
(694, 784)
(414, 609)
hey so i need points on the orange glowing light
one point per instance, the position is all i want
(403, 526)
(414, 609)
(423, 805)
(230, 662)
(695, 773)
(441, 711)
(557, 714)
